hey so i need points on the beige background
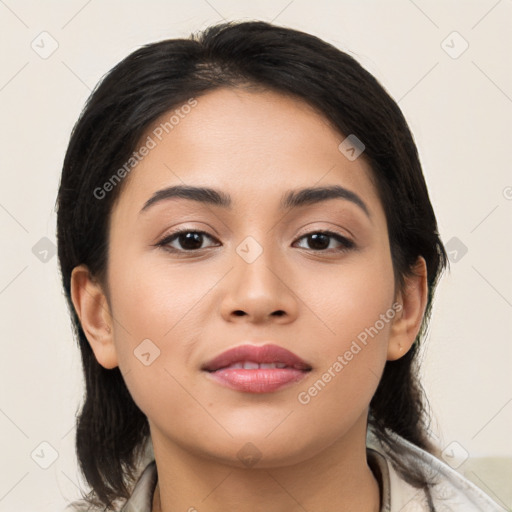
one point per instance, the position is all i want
(459, 107)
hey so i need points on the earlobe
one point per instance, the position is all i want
(413, 301)
(92, 309)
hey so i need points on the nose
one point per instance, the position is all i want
(259, 292)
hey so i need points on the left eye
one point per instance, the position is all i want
(320, 240)
(192, 241)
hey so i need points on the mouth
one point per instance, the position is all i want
(252, 365)
(257, 369)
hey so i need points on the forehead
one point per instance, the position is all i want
(250, 144)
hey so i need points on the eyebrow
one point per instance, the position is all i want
(290, 199)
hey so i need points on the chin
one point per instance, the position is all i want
(259, 450)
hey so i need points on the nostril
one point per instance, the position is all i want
(239, 312)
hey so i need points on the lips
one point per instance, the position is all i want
(252, 357)
(256, 369)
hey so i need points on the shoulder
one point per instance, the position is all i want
(139, 501)
(449, 492)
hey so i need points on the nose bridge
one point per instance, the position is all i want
(258, 285)
(255, 263)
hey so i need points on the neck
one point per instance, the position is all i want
(338, 478)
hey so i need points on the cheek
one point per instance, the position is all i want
(349, 300)
(155, 299)
(156, 308)
(355, 313)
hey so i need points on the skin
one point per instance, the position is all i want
(253, 146)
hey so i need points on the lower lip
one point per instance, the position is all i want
(263, 380)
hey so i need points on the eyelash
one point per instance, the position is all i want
(345, 242)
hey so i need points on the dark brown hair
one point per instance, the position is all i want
(111, 430)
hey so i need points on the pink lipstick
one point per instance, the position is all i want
(256, 368)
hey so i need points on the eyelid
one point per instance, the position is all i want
(172, 235)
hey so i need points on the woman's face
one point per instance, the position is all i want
(260, 274)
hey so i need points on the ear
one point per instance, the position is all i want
(411, 303)
(93, 311)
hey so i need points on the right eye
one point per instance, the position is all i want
(188, 239)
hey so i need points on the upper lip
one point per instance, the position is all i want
(268, 353)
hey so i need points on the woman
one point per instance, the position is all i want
(262, 369)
